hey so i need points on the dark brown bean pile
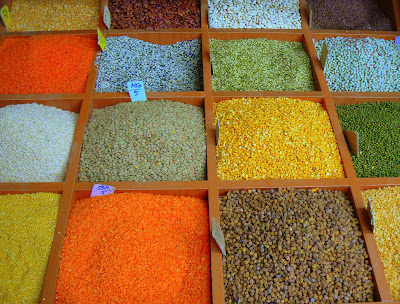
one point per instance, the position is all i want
(349, 15)
(293, 246)
(155, 14)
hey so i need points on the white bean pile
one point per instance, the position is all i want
(361, 64)
(35, 142)
(277, 14)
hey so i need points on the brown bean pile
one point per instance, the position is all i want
(293, 246)
(151, 14)
(362, 15)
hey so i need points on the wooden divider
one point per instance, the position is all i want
(211, 188)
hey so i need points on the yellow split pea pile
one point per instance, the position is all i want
(275, 138)
(386, 207)
(27, 223)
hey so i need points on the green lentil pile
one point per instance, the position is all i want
(27, 223)
(157, 140)
(378, 125)
(260, 65)
(293, 246)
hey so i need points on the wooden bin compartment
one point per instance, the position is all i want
(51, 96)
(292, 36)
(107, 101)
(83, 191)
(321, 36)
(56, 188)
(377, 181)
(237, 95)
(382, 292)
(72, 105)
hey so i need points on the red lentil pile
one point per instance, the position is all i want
(136, 248)
(45, 64)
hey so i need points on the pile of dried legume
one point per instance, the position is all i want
(293, 246)
(176, 67)
(155, 140)
(45, 64)
(275, 138)
(361, 64)
(150, 14)
(349, 15)
(260, 65)
(278, 14)
(36, 143)
(136, 248)
(54, 15)
(378, 125)
(27, 223)
(386, 207)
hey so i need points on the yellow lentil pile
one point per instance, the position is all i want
(386, 207)
(27, 223)
(275, 138)
(54, 15)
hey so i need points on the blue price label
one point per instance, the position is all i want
(397, 40)
(136, 90)
(99, 190)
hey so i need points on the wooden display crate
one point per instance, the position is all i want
(211, 188)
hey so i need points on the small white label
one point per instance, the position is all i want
(107, 17)
(99, 190)
(136, 90)
(371, 215)
(218, 235)
(217, 130)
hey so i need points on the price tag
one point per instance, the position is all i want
(136, 90)
(371, 214)
(107, 17)
(99, 190)
(397, 40)
(101, 40)
(217, 132)
(5, 16)
(218, 235)
(324, 55)
(352, 139)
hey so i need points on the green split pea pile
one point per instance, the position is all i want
(378, 125)
(260, 65)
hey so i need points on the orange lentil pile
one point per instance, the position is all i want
(45, 64)
(136, 248)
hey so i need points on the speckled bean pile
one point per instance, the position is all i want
(275, 138)
(386, 207)
(293, 246)
(36, 143)
(361, 64)
(154, 140)
(378, 125)
(349, 15)
(277, 14)
(260, 65)
(154, 14)
(54, 15)
(162, 68)
(27, 223)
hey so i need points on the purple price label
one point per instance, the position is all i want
(397, 40)
(99, 190)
